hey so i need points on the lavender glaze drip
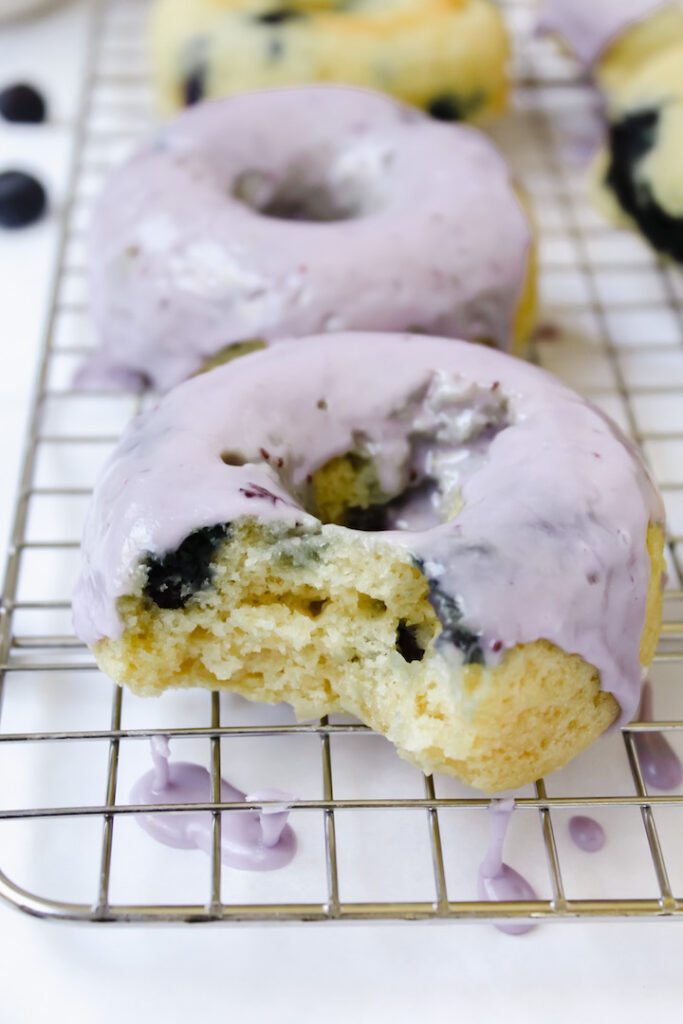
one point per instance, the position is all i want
(250, 840)
(659, 763)
(497, 881)
(586, 833)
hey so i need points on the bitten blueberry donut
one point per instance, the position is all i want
(635, 50)
(295, 211)
(447, 56)
(437, 538)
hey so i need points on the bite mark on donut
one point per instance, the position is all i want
(174, 577)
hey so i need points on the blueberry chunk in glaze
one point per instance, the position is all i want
(449, 614)
(630, 140)
(173, 578)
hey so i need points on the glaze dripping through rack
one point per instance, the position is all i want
(377, 840)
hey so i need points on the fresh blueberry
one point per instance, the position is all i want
(629, 141)
(22, 199)
(174, 577)
(22, 103)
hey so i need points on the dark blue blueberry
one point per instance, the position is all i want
(406, 642)
(449, 614)
(22, 199)
(194, 86)
(445, 107)
(629, 141)
(22, 103)
(173, 578)
(278, 15)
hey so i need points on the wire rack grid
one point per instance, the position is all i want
(612, 326)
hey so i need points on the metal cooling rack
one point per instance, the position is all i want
(612, 326)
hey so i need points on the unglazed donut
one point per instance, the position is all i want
(437, 538)
(635, 50)
(295, 211)
(448, 56)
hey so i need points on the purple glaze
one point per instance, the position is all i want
(98, 373)
(588, 27)
(586, 833)
(553, 512)
(497, 881)
(659, 763)
(183, 261)
(250, 840)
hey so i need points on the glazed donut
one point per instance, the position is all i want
(448, 56)
(430, 535)
(296, 211)
(635, 50)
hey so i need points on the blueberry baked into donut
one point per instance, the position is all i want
(430, 535)
(642, 171)
(447, 56)
(635, 50)
(296, 211)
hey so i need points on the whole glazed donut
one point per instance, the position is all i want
(635, 50)
(296, 211)
(448, 56)
(433, 536)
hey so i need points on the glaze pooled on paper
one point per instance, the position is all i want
(297, 211)
(250, 840)
(588, 27)
(550, 538)
(586, 833)
(497, 881)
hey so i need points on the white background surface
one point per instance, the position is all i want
(293, 973)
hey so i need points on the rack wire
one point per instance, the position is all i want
(612, 326)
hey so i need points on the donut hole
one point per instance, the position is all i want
(347, 492)
(303, 194)
(443, 434)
